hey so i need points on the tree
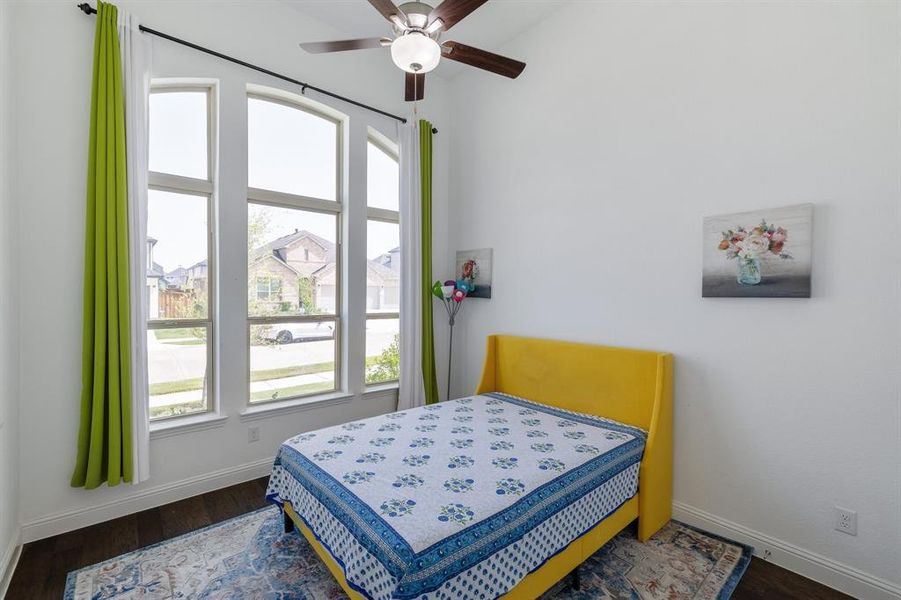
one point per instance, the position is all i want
(258, 222)
(305, 295)
(387, 364)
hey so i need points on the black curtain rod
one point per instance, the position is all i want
(89, 10)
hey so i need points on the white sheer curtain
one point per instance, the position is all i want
(135, 49)
(412, 389)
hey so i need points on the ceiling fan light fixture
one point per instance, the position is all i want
(415, 52)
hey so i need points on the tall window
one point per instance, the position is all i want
(293, 253)
(179, 252)
(383, 262)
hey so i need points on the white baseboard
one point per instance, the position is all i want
(149, 497)
(8, 563)
(814, 566)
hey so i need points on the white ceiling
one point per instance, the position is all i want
(488, 28)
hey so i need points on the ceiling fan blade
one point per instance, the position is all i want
(483, 59)
(342, 45)
(453, 11)
(415, 86)
(388, 8)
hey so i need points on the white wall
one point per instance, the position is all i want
(590, 176)
(9, 490)
(52, 49)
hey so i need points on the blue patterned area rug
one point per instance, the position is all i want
(249, 558)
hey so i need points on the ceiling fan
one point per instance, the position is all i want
(415, 48)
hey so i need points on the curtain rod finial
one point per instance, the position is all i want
(86, 8)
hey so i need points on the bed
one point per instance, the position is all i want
(500, 494)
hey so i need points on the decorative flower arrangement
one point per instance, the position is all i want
(748, 247)
(452, 293)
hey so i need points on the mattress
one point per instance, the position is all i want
(460, 499)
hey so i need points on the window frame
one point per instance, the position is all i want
(285, 200)
(382, 215)
(206, 188)
(269, 292)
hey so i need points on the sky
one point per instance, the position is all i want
(289, 150)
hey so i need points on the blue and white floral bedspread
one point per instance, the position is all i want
(460, 499)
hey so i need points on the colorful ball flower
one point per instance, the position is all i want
(458, 295)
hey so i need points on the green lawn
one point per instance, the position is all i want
(296, 390)
(267, 374)
(172, 387)
(196, 383)
(171, 334)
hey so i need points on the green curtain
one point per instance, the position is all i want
(429, 373)
(104, 435)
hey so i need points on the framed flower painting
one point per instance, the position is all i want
(474, 272)
(758, 254)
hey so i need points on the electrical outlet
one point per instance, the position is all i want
(845, 520)
(253, 434)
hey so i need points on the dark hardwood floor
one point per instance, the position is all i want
(44, 564)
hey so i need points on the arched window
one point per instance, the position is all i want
(293, 216)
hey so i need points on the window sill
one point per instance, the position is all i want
(379, 389)
(170, 427)
(273, 409)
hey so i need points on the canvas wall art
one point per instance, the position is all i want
(758, 254)
(474, 268)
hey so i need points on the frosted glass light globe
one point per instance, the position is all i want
(415, 52)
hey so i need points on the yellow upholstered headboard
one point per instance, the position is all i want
(630, 386)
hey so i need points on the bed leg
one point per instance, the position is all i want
(576, 580)
(289, 524)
